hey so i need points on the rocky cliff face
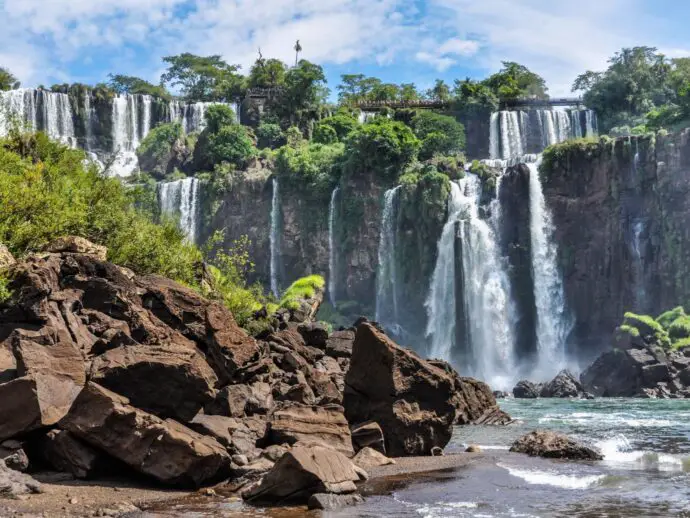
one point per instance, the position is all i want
(620, 211)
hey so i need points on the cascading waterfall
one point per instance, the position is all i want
(125, 135)
(440, 304)
(274, 238)
(332, 263)
(516, 132)
(57, 117)
(180, 200)
(486, 304)
(553, 324)
(146, 115)
(386, 274)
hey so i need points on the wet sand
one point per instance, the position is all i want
(71, 498)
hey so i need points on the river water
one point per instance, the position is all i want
(645, 473)
(646, 445)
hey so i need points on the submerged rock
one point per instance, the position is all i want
(331, 502)
(542, 443)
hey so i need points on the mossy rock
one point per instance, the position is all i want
(651, 331)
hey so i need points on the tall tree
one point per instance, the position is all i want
(267, 73)
(203, 78)
(123, 84)
(439, 92)
(515, 80)
(298, 49)
(7, 80)
(408, 92)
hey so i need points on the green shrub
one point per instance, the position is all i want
(270, 136)
(680, 328)
(324, 134)
(440, 134)
(5, 292)
(155, 151)
(313, 167)
(648, 328)
(668, 317)
(384, 146)
(301, 289)
(342, 123)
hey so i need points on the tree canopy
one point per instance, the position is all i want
(123, 84)
(203, 78)
(7, 80)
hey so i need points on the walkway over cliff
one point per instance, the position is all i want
(505, 104)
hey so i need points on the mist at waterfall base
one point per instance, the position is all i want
(132, 118)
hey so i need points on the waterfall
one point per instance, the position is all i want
(486, 305)
(440, 303)
(88, 123)
(516, 132)
(146, 116)
(125, 135)
(553, 324)
(494, 144)
(332, 265)
(57, 117)
(192, 116)
(180, 200)
(386, 274)
(275, 238)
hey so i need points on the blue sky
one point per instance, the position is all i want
(49, 41)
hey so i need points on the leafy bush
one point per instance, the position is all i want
(315, 167)
(342, 123)
(384, 146)
(223, 140)
(325, 134)
(47, 191)
(301, 289)
(648, 328)
(155, 151)
(440, 134)
(668, 317)
(270, 136)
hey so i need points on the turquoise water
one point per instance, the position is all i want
(646, 444)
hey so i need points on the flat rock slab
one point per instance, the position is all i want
(541, 443)
(163, 449)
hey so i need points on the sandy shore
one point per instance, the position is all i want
(70, 498)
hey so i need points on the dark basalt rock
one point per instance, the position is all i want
(554, 445)
(527, 390)
(564, 385)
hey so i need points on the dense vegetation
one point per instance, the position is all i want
(670, 330)
(641, 90)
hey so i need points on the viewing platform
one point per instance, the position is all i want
(504, 104)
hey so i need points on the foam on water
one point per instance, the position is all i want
(553, 478)
(618, 451)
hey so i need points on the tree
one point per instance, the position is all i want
(223, 140)
(384, 92)
(439, 92)
(304, 90)
(267, 73)
(408, 92)
(203, 78)
(298, 49)
(636, 81)
(123, 84)
(356, 88)
(515, 80)
(7, 80)
(440, 134)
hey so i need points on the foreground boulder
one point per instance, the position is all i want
(303, 472)
(542, 443)
(320, 425)
(164, 450)
(368, 458)
(412, 400)
(64, 452)
(368, 435)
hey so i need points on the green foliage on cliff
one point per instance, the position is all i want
(301, 289)
(515, 80)
(155, 150)
(383, 146)
(324, 134)
(48, 191)
(269, 135)
(668, 317)
(343, 124)
(203, 78)
(439, 134)
(7, 80)
(649, 329)
(123, 84)
(223, 141)
(558, 156)
(314, 168)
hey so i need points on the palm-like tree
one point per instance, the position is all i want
(298, 49)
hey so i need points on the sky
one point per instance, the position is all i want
(59, 41)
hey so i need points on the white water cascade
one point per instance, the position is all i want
(36, 110)
(486, 301)
(332, 260)
(274, 238)
(386, 274)
(180, 200)
(516, 132)
(192, 116)
(553, 323)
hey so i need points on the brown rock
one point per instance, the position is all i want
(369, 435)
(322, 425)
(6, 258)
(302, 472)
(164, 450)
(331, 502)
(542, 443)
(78, 245)
(14, 484)
(239, 436)
(339, 344)
(473, 448)
(410, 399)
(368, 458)
(8, 363)
(170, 380)
(67, 453)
